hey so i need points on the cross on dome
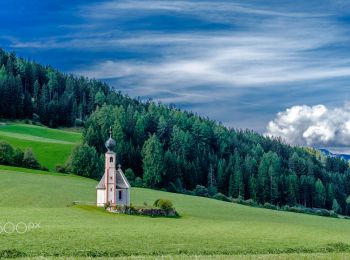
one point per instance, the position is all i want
(110, 143)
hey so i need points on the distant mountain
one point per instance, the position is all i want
(338, 155)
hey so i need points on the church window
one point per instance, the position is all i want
(120, 195)
(111, 159)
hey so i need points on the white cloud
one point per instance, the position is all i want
(316, 126)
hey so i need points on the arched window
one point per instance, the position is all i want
(111, 159)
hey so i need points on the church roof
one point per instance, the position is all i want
(101, 184)
(122, 181)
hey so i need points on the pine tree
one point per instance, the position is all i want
(237, 182)
(273, 185)
(231, 185)
(336, 207)
(292, 189)
(222, 178)
(252, 188)
(100, 98)
(329, 196)
(212, 188)
(152, 158)
(320, 194)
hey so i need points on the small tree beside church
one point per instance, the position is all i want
(85, 161)
(152, 158)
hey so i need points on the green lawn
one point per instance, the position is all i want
(207, 227)
(50, 146)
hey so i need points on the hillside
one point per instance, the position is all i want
(50, 146)
(166, 147)
(207, 226)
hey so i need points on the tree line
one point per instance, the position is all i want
(182, 152)
(164, 147)
(41, 93)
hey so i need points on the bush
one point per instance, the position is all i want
(36, 118)
(138, 182)
(336, 207)
(6, 153)
(129, 174)
(270, 206)
(79, 122)
(29, 160)
(249, 202)
(18, 157)
(201, 191)
(164, 204)
(107, 205)
(324, 212)
(220, 196)
(43, 168)
(60, 168)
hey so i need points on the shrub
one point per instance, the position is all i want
(43, 168)
(164, 204)
(107, 205)
(36, 118)
(79, 122)
(18, 157)
(29, 160)
(324, 212)
(60, 168)
(220, 196)
(6, 153)
(138, 182)
(336, 207)
(201, 191)
(249, 202)
(129, 174)
(270, 206)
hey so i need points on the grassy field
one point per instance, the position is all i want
(50, 146)
(207, 227)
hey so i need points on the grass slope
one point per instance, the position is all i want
(50, 146)
(207, 227)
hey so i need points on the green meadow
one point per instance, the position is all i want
(50, 146)
(207, 228)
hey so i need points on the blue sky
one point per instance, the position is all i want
(239, 62)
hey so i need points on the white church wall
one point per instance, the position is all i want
(101, 197)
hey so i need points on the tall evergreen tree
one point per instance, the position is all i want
(152, 154)
(320, 194)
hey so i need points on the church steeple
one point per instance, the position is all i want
(110, 143)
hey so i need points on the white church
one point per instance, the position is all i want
(113, 187)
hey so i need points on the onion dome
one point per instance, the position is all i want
(110, 143)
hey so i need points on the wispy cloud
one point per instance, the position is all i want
(219, 9)
(272, 56)
(232, 60)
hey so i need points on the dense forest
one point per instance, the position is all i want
(29, 90)
(164, 147)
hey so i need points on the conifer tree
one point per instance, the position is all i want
(152, 158)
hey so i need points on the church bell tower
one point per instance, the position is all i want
(110, 170)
